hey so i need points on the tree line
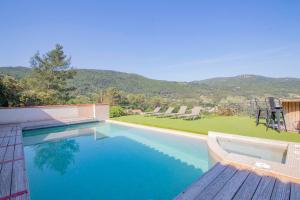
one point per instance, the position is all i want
(48, 84)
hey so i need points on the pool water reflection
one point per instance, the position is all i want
(108, 161)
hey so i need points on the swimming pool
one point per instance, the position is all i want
(109, 161)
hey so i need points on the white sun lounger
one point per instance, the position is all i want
(193, 115)
(168, 111)
(181, 111)
(156, 110)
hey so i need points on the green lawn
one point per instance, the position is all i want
(233, 125)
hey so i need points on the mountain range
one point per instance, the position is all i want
(88, 81)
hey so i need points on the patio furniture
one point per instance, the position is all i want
(181, 111)
(259, 110)
(275, 113)
(195, 113)
(168, 111)
(156, 110)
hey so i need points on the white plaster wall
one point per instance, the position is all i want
(43, 113)
(101, 112)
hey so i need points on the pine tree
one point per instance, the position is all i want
(51, 73)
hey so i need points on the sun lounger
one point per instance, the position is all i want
(156, 110)
(193, 115)
(168, 111)
(181, 111)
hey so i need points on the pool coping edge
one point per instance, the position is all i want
(164, 130)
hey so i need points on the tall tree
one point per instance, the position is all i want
(51, 72)
(112, 96)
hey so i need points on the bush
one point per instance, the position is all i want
(225, 111)
(116, 111)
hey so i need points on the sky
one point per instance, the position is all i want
(168, 40)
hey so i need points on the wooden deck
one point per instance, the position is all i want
(13, 179)
(227, 182)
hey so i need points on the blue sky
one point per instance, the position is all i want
(170, 40)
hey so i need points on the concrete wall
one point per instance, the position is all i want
(101, 112)
(56, 113)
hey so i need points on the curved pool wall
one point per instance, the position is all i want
(272, 158)
(110, 161)
(266, 157)
(256, 150)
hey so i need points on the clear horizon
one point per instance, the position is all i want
(160, 40)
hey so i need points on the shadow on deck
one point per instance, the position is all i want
(227, 182)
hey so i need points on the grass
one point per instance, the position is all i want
(233, 125)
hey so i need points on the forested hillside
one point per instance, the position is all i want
(87, 81)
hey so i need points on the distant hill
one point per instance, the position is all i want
(17, 72)
(254, 85)
(90, 80)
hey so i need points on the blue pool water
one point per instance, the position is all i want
(108, 161)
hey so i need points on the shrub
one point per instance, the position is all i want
(225, 111)
(116, 111)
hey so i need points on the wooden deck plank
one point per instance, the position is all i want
(4, 132)
(281, 191)
(12, 140)
(5, 179)
(248, 188)
(217, 184)
(18, 177)
(5, 142)
(18, 131)
(13, 180)
(18, 154)
(8, 134)
(21, 197)
(2, 153)
(9, 154)
(295, 191)
(18, 139)
(13, 131)
(233, 185)
(264, 189)
(192, 191)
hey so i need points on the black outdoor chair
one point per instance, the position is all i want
(270, 119)
(259, 111)
(274, 113)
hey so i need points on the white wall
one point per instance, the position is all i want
(101, 112)
(57, 113)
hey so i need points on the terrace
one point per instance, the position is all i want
(229, 179)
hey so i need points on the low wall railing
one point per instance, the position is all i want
(54, 112)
